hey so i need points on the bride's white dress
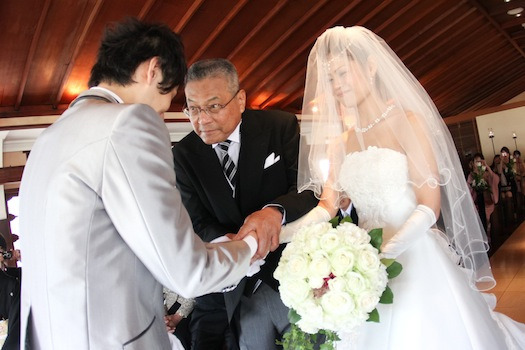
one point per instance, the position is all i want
(434, 306)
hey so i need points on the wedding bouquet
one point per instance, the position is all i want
(331, 277)
(478, 182)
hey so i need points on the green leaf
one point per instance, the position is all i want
(387, 262)
(334, 221)
(293, 316)
(387, 297)
(394, 269)
(346, 219)
(373, 316)
(376, 236)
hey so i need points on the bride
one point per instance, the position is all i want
(368, 120)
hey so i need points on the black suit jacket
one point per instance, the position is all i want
(207, 195)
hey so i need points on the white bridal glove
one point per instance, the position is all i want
(314, 216)
(417, 224)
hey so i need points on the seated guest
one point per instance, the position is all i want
(178, 312)
(10, 295)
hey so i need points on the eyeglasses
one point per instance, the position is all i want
(193, 111)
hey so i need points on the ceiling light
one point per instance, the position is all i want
(507, 0)
(515, 12)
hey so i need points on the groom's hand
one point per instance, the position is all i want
(266, 225)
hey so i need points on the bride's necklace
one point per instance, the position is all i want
(375, 122)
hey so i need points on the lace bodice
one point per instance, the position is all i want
(377, 182)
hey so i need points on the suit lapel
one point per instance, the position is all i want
(254, 145)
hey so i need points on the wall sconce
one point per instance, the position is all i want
(515, 137)
(491, 137)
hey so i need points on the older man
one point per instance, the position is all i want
(238, 171)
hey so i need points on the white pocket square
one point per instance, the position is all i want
(271, 160)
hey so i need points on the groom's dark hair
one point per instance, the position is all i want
(127, 44)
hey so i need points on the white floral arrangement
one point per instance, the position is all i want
(478, 182)
(332, 278)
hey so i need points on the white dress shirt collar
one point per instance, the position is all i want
(114, 95)
(235, 136)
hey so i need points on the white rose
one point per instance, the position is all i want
(307, 326)
(311, 313)
(353, 234)
(329, 241)
(368, 260)
(336, 303)
(297, 266)
(342, 260)
(315, 282)
(367, 301)
(337, 284)
(294, 292)
(279, 274)
(355, 282)
(319, 266)
(312, 244)
(379, 281)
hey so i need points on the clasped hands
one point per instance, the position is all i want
(264, 225)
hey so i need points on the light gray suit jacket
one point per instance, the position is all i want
(101, 224)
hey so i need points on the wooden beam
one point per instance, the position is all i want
(293, 56)
(218, 30)
(146, 9)
(82, 37)
(270, 50)
(188, 15)
(496, 25)
(299, 75)
(31, 54)
(270, 15)
(11, 174)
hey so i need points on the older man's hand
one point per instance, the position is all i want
(266, 225)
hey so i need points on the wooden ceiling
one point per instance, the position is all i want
(468, 54)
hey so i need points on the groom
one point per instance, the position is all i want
(102, 224)
(259, 196)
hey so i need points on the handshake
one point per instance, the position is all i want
(265, 226)
(262, 227)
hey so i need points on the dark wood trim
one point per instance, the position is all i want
(293, 56)
(188, 15)
(257, 28)
(218, 30)
(498, 26)
(79, 43)
(31, 53)
(460, 118)
(11, 174)
(271, 49)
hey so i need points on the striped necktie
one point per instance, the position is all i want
(228, 166)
